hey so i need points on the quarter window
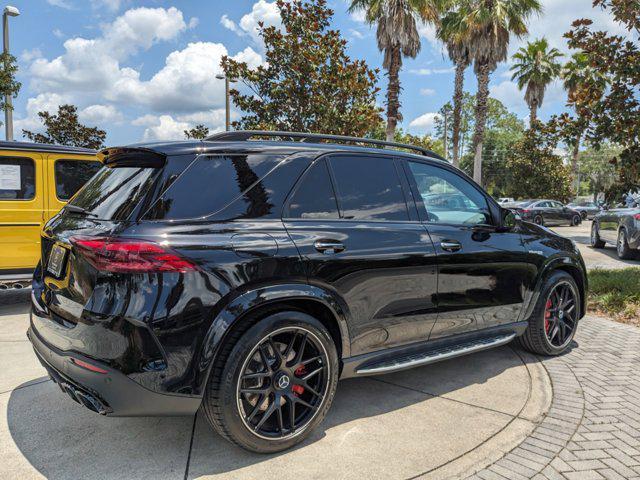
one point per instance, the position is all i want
(17, 179)
(314, 197)
(368, 188)
(448, 198)
(71, 175)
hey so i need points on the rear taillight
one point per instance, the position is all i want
(525, 210)
(130, 256)
(637, 216)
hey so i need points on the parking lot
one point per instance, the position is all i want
(512, 414)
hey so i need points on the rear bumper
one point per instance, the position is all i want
(111, 393)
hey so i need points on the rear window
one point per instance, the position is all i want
(115, 191)
(71, 175)
(17, 179)
(212, 183)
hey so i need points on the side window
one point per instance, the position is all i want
(541, 205)
(449, 198)
(314, 197)
(368, 188)
(71, 175)
(17, 179)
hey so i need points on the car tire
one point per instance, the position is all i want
(596, 241)
(230, 411)
(576, 220)
(622, 246)
(536, 338)
(583, 214)
(538, 220)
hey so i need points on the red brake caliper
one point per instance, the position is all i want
(299, 372)
(547, 315)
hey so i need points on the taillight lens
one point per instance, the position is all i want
(637, 216)
(525, 210)
(130, 256)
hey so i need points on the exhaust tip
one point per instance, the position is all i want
(17, 286)
(4, 286)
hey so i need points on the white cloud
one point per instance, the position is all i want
(431, 71)
(43, 102)
(262, 11)
(356, 34)
(193, 23)
(110, 5)
(60, 3)
(359, 16)
(58, 33)
(30, 55)
(425, 122)
(427, 92)
(186, 83)
(513, 98)
(164, 127)
(100, 115)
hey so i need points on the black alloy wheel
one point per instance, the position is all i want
(560, 314)
(575, 220)
(283, 382)
(622, 246)
(596, 241)
(538, 220)
(583, 214)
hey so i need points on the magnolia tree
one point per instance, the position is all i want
(308, 83)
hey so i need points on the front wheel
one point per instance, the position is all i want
(277, 383)
(554, 320)
(622, 247)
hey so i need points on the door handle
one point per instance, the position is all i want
(328, 247)
(450, 245)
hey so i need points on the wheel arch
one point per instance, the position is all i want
(258, 303)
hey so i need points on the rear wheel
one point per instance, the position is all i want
(596, 242)
(554, 320)
(277, 383)
(583, 214)
(575, 220)
(538, 220)
(622, 247)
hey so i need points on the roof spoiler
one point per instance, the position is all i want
(132, 157)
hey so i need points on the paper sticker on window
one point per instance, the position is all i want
(10, 177)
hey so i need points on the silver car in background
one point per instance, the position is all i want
(587, 210)
(619, 227)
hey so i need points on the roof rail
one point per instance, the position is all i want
(245, 135)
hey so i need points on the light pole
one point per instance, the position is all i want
(227, 122)
(9, 11)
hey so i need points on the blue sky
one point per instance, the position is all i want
(145, 70)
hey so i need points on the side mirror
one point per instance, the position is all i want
(509, 219)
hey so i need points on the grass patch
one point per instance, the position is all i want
(616, 293)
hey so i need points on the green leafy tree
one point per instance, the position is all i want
(423, 141)
(535, 67)
(199, 132)
(615, 114)
(454, 34)
(534, 170)
(489, 25)
(397, 36)
(308, 83)
(9, 86)
(597, 169)
(64, 128)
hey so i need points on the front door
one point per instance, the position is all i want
(364, 242)
(21, 210)
(481, 270)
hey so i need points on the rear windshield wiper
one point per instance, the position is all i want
(80, 210)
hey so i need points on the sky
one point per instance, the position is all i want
(145, 70)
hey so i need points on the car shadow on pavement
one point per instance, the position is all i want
(61, 439)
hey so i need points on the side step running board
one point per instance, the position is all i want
(415, 359)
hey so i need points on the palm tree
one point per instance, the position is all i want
(580, 79)
(488, 25)
(453, 33)
(535, 67)
(397, 36)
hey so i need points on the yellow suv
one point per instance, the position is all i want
(36, 181)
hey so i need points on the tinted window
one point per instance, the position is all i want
(211, 183)
(71, 175)
(114, 192)
(17, 179)
(368, 188)
(449, 198)
(314, 196)
(541, 205)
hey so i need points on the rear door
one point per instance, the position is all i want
(482, 271)
(21, 210)
(65, 175)
(361, 240)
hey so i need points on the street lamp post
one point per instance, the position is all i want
(9, 11)
(227, 122)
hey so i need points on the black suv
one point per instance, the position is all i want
(248, 272)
